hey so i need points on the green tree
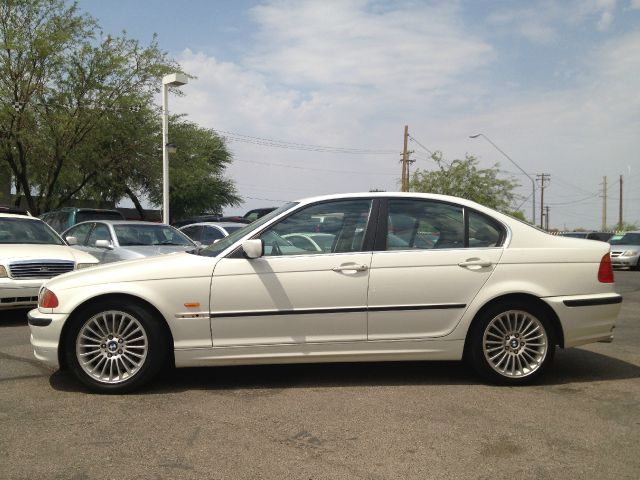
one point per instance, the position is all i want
(463, 178)
(77, 113)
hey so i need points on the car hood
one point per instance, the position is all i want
(625, 247)
(14, 252)
(152, 250)
(178, 265)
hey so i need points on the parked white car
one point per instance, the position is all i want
(31, 252)
(407, 277)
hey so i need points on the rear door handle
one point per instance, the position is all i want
(350, 268)
(475, 262)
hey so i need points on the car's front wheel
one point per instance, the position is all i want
(512, 343)
(115, 348)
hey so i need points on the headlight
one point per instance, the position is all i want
(3, 272)
(80, 266)
(629, 253)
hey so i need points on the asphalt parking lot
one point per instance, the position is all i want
(371, 421)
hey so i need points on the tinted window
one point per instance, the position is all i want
(630, 239)
(344, 222)
(483, 232)
(211, 234)
(137, 234)
(194, 232)
(80, 232)
(17, 230)
(420, 224)
(100, 232)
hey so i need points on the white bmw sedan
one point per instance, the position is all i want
(406, 277)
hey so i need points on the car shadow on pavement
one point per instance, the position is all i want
(13, 318)
(571, 366)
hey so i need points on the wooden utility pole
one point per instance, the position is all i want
(604, 203)
(546, 218)
(620, 208)
(405, 161)
(543, 178)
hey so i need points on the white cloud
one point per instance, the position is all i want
(544, 22)
(350, 43)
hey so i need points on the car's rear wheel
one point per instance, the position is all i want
(115, 348)
(512, 344)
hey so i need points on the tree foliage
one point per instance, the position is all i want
(77, 113)
(463, 178)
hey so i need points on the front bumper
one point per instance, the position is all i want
(629, 261)
(586, 318)
(45, 335)
(19, 293)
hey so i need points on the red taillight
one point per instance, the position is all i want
(49, 299)
(605, 272)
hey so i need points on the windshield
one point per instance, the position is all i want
(19, 230)
(629, 239)
(215, 249)
(136, 234)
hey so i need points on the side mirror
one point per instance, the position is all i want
(71, 240)
(104, 244)
(253, 248)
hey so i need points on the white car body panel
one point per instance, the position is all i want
(232, 324)
(279, 284)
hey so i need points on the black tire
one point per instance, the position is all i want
(511, 355)
(132, 371)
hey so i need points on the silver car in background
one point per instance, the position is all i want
(115, 240)
(625, 252)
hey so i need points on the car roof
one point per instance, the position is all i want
(407, 195)
(13, 215)
(217, 224)
(122, 222)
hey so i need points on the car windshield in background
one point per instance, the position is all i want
(230, 229)
(136, 234)
(629, 239)
(215, 249)
(18, 230)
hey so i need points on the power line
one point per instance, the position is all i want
(268, 142)
(283, 165)
(555, 204)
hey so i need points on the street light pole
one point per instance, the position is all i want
(173, 80)
(533, 182)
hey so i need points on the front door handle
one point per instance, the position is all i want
(350, 268)
(475, 262)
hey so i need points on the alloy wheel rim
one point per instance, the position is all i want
(515, 344)
(112, 346)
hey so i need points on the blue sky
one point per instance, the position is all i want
(556, 85)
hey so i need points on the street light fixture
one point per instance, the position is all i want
(533, 182)
(173, 80)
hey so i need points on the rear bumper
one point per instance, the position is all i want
(586, 318)
(45, 335)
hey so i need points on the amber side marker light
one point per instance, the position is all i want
(49, 299)
(605, 272)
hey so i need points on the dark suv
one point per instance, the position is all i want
(67, 217)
